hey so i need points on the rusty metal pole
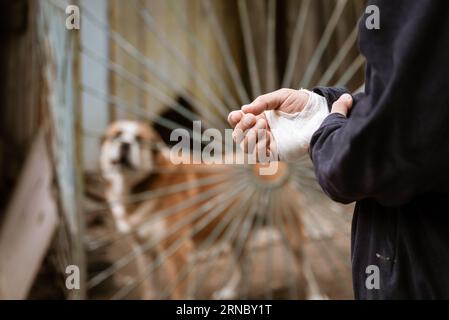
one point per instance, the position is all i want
(78, 237)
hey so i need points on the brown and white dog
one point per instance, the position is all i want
(134, 160)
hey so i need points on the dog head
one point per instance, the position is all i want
(131, 149)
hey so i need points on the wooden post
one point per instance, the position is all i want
(29, 224)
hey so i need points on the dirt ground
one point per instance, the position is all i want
(270, 269)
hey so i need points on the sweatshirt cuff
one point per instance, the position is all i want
(330, 123)
(333, 119)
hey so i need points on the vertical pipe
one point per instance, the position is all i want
(112, 48)
(78, 236)
(249, 48)
(271, 47)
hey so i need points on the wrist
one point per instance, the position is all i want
(305, 96)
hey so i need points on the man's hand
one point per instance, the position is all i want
(252, 128)
(250, 121)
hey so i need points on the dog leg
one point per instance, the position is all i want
(172, 267)
(192, 285)
(293, 229)
(141, 265)
(230, 290)
(313, 289)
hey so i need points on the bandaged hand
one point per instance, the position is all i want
(280, 125)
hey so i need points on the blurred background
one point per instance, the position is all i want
(167, 63)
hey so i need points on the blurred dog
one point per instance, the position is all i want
(134, 160)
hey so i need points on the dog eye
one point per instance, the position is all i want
(117, 135)
(139, 139)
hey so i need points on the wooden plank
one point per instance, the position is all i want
(28, 225)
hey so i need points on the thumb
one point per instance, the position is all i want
(342, 105)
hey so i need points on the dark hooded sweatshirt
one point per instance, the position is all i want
(391, 155)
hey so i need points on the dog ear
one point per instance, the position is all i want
(164, 150)
(161, 154)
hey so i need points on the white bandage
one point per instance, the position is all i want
(292, 132)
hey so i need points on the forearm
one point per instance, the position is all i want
(376, 153)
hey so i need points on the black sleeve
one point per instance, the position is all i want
(333, 93)
(395, 143)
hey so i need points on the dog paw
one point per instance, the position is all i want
(225, 294)
(318, 297)
(123, 226)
